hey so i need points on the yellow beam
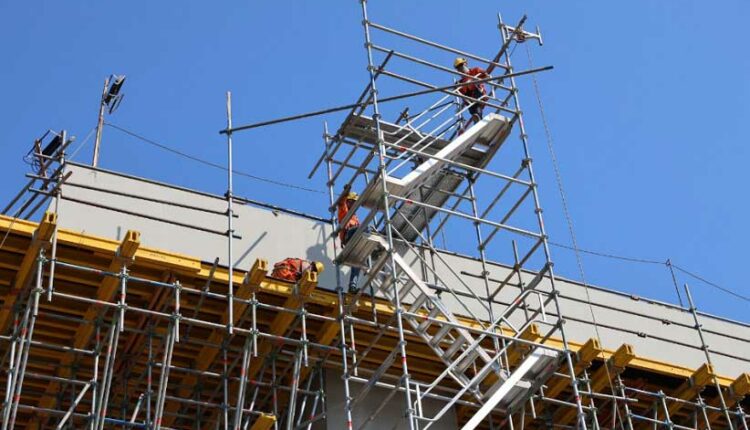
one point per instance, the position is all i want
(180, 263)
(264, 422)
(703, 376)
(106, 291)
(40, 238)
(109, 286)
(207, 354)
(615, 365)
(280, 324)
(585, 356)
(517, 351)
(283, 320)
(732, 396)
(193, 267)
(146, 256)
(690, 388)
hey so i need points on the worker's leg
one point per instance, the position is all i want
(476, 113)
(354, 273)
(354, 280)
(476, 108)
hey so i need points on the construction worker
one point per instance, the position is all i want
(291, 269)
(475, 91)
(344, 204)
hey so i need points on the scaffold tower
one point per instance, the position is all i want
(109, 333)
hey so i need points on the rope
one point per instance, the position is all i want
(606, 255)
(578, 251)
(657, 262)
(709, 283)
(83, 143)
(569, 220)
(212, 164)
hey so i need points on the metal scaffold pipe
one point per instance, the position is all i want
(229, 130)
(230, 218)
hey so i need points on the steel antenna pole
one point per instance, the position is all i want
(100, 125)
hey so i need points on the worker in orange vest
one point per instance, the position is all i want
(475, 91)
(343, 205)
(291, 269)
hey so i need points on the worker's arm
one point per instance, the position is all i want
(479, 73)
(344, 193)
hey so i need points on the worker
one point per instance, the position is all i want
(475, 91)
(291, 269)
(344, 204)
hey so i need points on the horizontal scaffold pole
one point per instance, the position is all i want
(382, 100)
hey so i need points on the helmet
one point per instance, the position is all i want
(318, 266)
(352, 196)
(460, 61)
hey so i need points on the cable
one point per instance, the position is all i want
(707, 282)
(569, 219)
(612, 256)
(10, 227)
(83, 143)
(211, 164)
(660, 263)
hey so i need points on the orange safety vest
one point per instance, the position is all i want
(352, 223)
(290, 269)
(468, 90)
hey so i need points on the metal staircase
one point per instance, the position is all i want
(423, 171)
(470, 359)
(490, 132)
(468, 362)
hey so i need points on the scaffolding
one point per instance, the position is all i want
(99, 338)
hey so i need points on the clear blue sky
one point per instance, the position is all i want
(648, 106)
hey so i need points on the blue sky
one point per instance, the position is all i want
(647, 104)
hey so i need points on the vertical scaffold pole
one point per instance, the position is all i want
(164, 377)
(27, 334)
(483, 258)
(704, 347)
(243, 383)
(149, 375)
(101, 411)
(95, 376)
(581, 421)
(230, 216)
(339, 286)
(17, 343)
(58, 191)
(387, 217)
